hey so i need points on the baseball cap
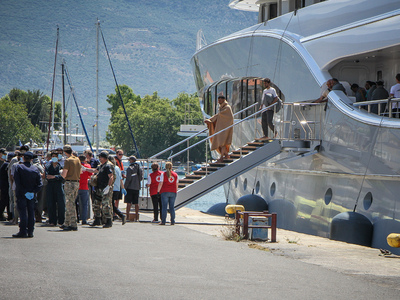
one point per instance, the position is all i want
(28, 154)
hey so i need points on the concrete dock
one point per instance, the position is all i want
(190, 260)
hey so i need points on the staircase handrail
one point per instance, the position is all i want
(363, 103)
(371, 102)
(197, 133)
(231, 126)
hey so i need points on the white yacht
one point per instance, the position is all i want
(335, 157)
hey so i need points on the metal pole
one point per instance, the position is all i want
(52, 94)
(273, 227)
(187, 170)
(63, 125)
(97, 87)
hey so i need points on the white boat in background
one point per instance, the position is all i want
(351, 162)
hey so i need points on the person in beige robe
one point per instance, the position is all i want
(224, 118)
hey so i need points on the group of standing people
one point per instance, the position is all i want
(63, 183)
(163, 188)
(371, 91)
(59, 184)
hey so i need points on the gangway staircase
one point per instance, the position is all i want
(212, 176)
(250, 155)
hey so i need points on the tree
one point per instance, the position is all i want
(155, 122)
(14, 124)
(37, 106)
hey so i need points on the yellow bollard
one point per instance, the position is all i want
(231, 208)
(393, 239)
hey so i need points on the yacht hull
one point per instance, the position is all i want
(355, 166)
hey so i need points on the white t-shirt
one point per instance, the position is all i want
(271, 92)
(395, 91)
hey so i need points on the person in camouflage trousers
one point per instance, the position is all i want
(103, 192)
(71, 173)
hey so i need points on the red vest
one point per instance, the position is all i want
(155, 179)
(169, 184)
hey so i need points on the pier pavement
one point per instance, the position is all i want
(190, 260)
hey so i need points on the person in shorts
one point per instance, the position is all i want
(134, 176)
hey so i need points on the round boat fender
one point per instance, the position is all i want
(393, 240)
(217, 209)
(232, 208)
(253, 203)
(352, 227)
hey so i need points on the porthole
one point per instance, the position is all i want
(272, 189)
(236, 182)
(328, 196)
(257, 187)
(245, 184)
(368, 200)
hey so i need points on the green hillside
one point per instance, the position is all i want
(150, 43)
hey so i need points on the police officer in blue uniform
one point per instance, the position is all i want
(28, 182)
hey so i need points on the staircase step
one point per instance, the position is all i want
(235, 156)
(256, 144)
(217, 165)
(201, 172)
(227, 161)
(250, 148)
(243, 152)
(188, 181)
(212, 169)
(193, 176)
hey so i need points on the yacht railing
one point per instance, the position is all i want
(381, 107)
(300, 121)
(295, 121)
(225, 129)
(196, 134)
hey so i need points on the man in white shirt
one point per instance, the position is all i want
(269, 97)
(395, 93)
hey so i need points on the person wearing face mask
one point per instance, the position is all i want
(18, 159)
(55, 191)
(4, 196)
(60, 157)
(11, 189)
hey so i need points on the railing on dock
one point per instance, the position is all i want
(245, 223)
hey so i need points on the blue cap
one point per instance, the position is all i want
(28, 154)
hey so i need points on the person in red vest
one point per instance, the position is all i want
(168, 188)
(153, 180)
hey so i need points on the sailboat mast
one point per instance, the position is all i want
(63, 124)
(52, 95)
(97, 86)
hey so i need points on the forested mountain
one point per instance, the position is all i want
(150, 43)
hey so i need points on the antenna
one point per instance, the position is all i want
(201, 40)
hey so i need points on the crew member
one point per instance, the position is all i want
(27, 182)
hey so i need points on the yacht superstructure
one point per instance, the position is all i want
(351, 162)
